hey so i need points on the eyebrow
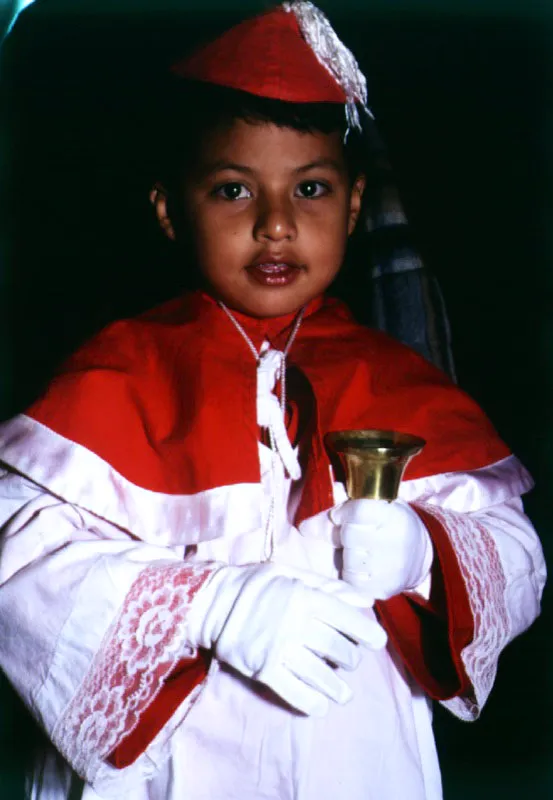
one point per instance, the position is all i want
(222, 165)
(319, 163)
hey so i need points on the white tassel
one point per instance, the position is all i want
(333, 55)
(269, 412)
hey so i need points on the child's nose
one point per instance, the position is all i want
(275, 222)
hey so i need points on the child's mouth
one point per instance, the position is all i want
(274, 273)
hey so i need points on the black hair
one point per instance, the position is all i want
(192, 109)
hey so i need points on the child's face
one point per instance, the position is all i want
(270, 211)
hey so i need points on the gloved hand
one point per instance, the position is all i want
(387, 549)
(282, 627)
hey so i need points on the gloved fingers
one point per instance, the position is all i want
(396, 558)
(308, 578)
(373, 575)
(368, 586)
(361, 536)
(349, 621)
(330, 586)
(357, 578)
(342, 591)
(293, 690)
(327, 643)
(362, 512)
(316, 674)
(357, 559)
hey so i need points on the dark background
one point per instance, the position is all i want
(463, 99)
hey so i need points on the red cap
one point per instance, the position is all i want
(266, 56)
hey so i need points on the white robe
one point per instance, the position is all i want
(86, 606)
(66, 575)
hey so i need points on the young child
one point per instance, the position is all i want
(187, 598)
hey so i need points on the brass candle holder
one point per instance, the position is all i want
(374, 461)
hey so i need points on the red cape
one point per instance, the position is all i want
(169, 398)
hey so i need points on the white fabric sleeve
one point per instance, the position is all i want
(503, 570)
(91, 622)
(498, 554)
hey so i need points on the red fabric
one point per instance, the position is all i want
(430, 636)
(147, 395)
(184, 678)
(286, 67)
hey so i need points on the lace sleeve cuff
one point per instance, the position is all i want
(139, 652)
(479, 565)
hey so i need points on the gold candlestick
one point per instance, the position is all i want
(374, 461)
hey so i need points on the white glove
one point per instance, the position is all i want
(286, 629)
(387, 549)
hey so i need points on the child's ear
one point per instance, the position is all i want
(158, 198)
(355, 201)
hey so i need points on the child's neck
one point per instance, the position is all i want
(267, 324)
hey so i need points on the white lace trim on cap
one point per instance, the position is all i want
(333, 55)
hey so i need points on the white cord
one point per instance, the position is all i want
(257, 354)
(268, 545)
(240, 330)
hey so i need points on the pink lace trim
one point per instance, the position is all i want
(486, 586)
(138, 652)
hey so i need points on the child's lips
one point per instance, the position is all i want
(274, 273)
